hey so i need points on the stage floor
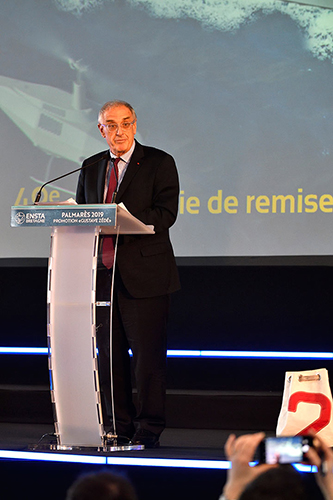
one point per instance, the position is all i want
(175, 443)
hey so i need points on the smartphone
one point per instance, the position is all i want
(284, 449)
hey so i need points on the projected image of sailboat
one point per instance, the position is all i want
(60, 123)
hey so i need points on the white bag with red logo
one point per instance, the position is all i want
(306, 404)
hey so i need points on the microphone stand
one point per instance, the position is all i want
(39, 194)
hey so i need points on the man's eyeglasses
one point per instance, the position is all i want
(112, 127)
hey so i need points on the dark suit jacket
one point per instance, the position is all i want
(149, 190)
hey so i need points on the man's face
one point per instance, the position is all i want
(120, 139)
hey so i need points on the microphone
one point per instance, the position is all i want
(39, 194)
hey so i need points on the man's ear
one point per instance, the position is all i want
(101, 129)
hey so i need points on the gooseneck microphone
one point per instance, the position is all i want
(39, 194)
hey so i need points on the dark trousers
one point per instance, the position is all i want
(139, 325)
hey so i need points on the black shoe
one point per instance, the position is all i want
(147, 438)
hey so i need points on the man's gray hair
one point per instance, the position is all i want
(114, 104)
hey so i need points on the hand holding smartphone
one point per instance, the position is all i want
(284, 449)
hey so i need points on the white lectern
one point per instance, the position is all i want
(71, 302)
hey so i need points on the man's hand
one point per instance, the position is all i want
(321, 456)
(240, 451)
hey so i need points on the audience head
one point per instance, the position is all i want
(101, 486)
(281, 483)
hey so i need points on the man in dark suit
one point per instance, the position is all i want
(145, 273)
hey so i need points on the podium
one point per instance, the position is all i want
(71, 312)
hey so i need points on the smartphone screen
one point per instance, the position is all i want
(284, 449)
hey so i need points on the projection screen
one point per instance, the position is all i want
(238, 91)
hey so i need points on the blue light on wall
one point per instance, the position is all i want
(182, 353)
